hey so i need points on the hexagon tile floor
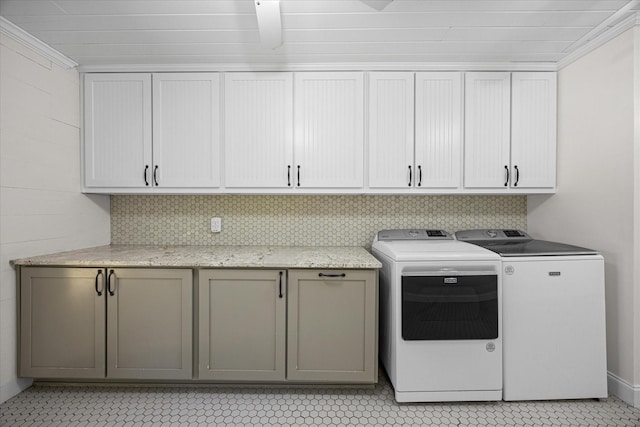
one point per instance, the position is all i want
(146, 406)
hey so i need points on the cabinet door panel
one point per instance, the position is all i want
(186, 130)
(329, 129)
(117, 129)
(258, 130)
(332, 333)
(242, 325)
(62, 323)
(438, 129)
(487, 129)
(150, 324)
(390, 129)
(533, 130)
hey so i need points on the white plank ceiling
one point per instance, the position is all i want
(159, 32)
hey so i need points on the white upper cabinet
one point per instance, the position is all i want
(329, 130)
(533, 130)
(120, 118)
(487, 129)
(391, 130)
(258, 130)
(510, 131)
(186, 130)
(117, 130)
(304, 132)
(438, 130)
(432, 160)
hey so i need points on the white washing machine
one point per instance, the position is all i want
(440, 317)
(554, 343)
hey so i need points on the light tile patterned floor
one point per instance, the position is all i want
(44, 405)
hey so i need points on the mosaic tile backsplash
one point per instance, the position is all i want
(301, 220)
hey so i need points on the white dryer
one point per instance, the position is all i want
(554, 316)
(440, 317)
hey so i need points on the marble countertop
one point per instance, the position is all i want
(209, 256)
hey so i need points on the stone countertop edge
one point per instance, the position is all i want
(335, 257)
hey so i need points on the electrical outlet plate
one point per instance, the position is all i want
(216, 225)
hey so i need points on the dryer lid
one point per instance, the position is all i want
(434, 250)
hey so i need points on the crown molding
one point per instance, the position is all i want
(10, 29)
(596, 42)
(355, 66)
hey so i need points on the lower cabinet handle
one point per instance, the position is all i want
(155, 175)
(515, 184)
(280, 286)
(99, 291)
(146, 170)
(419, 176)
(111, 292)
(288, 175)
(298, 175)
(506, 181)
(410, 177)
(331, 275)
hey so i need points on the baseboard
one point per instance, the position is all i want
(620, 388)
(13, 387)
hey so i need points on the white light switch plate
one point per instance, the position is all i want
(216, 225)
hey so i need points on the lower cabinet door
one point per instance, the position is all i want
(62, 322)
(242, 325)
(332, 334)
(149, 318)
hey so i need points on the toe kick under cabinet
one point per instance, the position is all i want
(113, 323)
(298, 325)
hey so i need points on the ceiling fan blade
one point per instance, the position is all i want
(377, 4)
(269, 24)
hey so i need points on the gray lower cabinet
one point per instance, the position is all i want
(149, 323)
(122, 323)
(295, 325)
(62, 323)
(242, 325)
(332, 326)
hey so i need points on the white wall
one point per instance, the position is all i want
(597, 187)
(41, 207)
(636, 156)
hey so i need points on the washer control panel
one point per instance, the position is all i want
(508, 235)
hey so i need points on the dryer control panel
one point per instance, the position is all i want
(414, 234)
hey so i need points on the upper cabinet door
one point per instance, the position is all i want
(391, 130)
(117, 130)
(438, 130)
(487, 130)
(533, 130)
(258, 130)
(328, 130)
(186, 130)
